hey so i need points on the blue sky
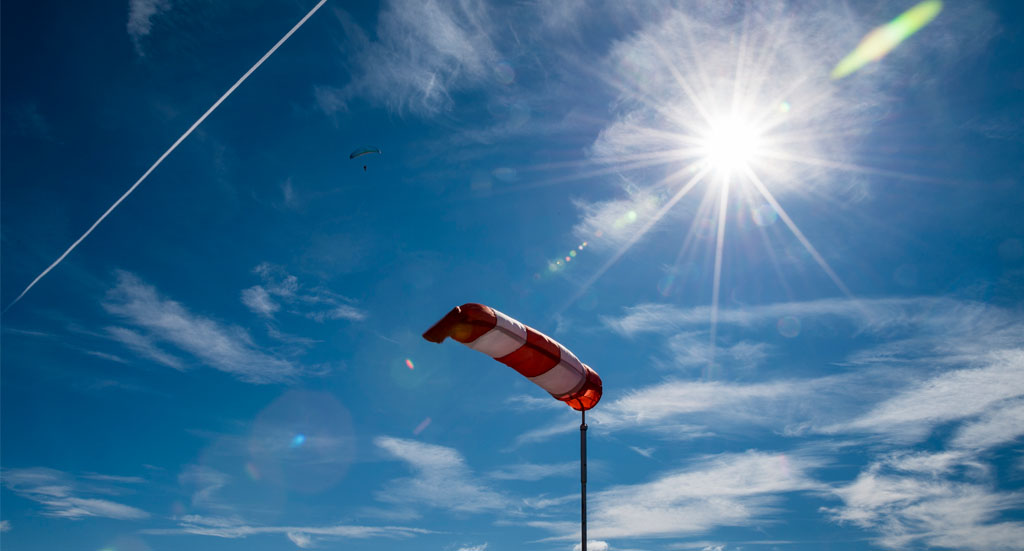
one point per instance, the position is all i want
(804, 295)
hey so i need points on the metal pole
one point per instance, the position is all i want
(583, 477)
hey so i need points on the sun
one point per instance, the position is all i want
(730, 144)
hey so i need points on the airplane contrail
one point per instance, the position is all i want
(169, 150)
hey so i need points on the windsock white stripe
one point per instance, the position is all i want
(507, 336)
(561, 379)
(571, 359)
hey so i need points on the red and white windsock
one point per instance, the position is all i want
(532, 353)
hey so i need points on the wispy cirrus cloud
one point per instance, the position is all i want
(954, 396)
(257, 299)
(301, 536)
(723, 490)
(442, 479)
(927, 367)
(1001, 424)
(865, 314)
(144, 346)
(959, 361)
(228, 349)
(63, 496)
(140, 19)
(918, 499)
(281, 289)
(423, 52)
(204, 482)
(534, 471)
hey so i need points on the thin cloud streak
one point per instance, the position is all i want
(913, 500)
(533, 471)
(228, 349)
(442, 478)
(724, 490)
(140, 18)
(424, 52)
(233, 528)
(912, 414)
(174, 146)
(281, 288)
(61, 495)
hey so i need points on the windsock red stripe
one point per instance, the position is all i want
(538, 355)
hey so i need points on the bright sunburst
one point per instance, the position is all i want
(736, 121)
(731, 144)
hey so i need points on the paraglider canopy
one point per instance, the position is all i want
(359, 152)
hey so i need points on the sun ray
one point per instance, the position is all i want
(762, 230)
(849, 167)
(683, 191)
(703, 212)
(796, 231)
(716, 285)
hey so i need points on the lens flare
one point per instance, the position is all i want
(408, 363)
(788, 327)
(879, 42)
(420, 427)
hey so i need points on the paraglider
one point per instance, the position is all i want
(533, 354)
(359, 152)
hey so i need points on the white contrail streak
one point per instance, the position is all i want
(169, 150)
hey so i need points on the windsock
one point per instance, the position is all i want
(533, 354)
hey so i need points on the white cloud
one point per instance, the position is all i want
(872, 315)
(1000, 425)
(724, 490)
(695, 350)
(343, 311)
(646, 452)
(533, 471)
(441, 479)
(5, 526)
(205, 483)
(235, 528)
(141, 13)
(592, 545)
(952, 396)
(114, 478)
(956, 361)
(300, 539)
(614, 223)
(144, 346)
(683, 410)
(481, 547)
(60, 495)
(912, 506)
(258, 300)
(656, 404)
(917, 330)
(423, 53)
(278, 286)
(229, 349)
(140, 18)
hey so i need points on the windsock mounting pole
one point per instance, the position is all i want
(583, 479)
